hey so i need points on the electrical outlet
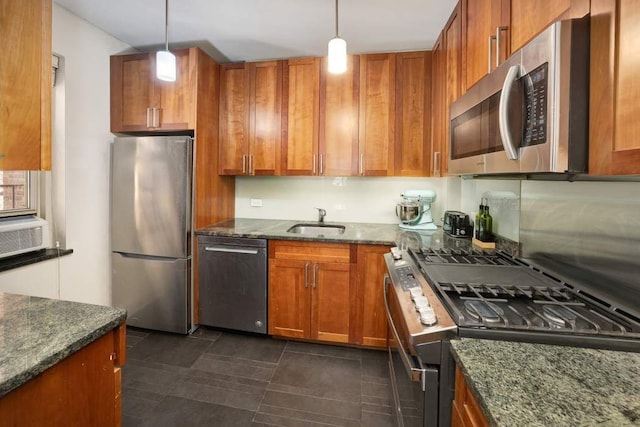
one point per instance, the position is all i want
(256, 203)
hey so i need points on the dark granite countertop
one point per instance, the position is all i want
(36, 333)
(542, 385)
(355, 232)
(28, 258)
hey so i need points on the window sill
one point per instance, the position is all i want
(21, 260)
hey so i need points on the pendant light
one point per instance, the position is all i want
(165, 60)
(337, 51)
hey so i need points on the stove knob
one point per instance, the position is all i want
(415, 292)
(421, 302)
(427, 316)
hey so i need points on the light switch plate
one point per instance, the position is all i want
(256, 203)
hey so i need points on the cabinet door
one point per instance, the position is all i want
(330, 302)
(132, 92)
(300, 116)
(339, 120)
(438, 113)
(234, 120)
(528, 18)
(265, 115)
(481, 21)
(614, 146)
(25, 85)
(413, 111)
(453, 73)
(289, 298)
(377, 114)
(177, 99)
(371, 329)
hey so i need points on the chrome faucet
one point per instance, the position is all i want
(321, 214)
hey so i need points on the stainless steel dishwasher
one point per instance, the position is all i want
(233, 283)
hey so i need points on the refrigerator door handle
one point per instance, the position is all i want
(231, 250)
(149, 257)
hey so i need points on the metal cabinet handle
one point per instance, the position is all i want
(321, 164)
(499, 31)
(244, 164)
(313, 172)
(156, 117)
(361, 171)
(415, 374)
(436, 163)
(148, 117)
(315, 276)
(490, 61)
(306, 275)
(250, 164)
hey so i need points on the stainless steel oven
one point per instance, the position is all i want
(531, 114)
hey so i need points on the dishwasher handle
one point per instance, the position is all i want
(227, 249)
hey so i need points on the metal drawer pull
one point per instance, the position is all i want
(499, 31)
(306, 275)
(231, 250)
(491, 39)
(315, 276)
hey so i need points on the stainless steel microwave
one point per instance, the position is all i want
(531, 114)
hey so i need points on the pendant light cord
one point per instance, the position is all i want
(166, 25)
(337, 36)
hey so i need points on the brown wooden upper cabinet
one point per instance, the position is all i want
(453, 43)
(142, 103)
(250, 118)
(614, 131)
(377, 114)
(25, 85)
(338, 148)
(485, 38)
(413, 114)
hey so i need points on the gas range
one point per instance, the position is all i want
(490, 294)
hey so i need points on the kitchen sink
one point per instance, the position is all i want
(317, 229)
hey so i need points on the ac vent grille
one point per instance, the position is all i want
(20, 240)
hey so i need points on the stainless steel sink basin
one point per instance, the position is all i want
(317, 229)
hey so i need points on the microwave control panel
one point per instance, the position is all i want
(536, 93)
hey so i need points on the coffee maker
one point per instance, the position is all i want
(414, 210)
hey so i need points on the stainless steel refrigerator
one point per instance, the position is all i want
(152, 231)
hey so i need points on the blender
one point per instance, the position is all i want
(414, 210)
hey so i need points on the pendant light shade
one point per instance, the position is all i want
(337, 51)
(165, 60)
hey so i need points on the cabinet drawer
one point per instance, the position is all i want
(320, 252)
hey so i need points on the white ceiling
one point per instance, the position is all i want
(247, 30)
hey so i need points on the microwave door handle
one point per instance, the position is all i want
(503, 119)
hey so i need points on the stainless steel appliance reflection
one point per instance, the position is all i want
(152, 231)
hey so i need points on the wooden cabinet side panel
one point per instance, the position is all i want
(330, 316)
(234, 119)
(289, 298)
(265, 117)
(453, 73)
(377, 114)
(413, 114)
(339, 120)
(372, 321)
(438, 116)
(79, 390)
(46, 87)
(466, 411)
(21, 81)
(300, 116)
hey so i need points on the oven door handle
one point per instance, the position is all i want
(415, 374)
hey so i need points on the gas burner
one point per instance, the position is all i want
(483, 311)
(559, 316)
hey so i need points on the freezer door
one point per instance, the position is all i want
(156, 292)
(151, 184)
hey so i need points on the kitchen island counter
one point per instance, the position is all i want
(37, 333)
(543, 385)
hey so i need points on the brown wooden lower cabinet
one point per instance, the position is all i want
(327, 292)
(465, 411)
(81, 390)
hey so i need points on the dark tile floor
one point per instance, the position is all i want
(222, 379)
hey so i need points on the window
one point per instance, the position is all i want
(17, 193)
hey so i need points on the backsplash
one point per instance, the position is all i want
(354, 199)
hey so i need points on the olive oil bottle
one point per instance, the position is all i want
(484, 222)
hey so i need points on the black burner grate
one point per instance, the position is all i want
(459, 256)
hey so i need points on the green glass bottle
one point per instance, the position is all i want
(485, 228)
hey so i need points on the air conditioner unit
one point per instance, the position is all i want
(23, 234)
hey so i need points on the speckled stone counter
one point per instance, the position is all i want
(36, 333)
(519, 384)
(360, 233)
